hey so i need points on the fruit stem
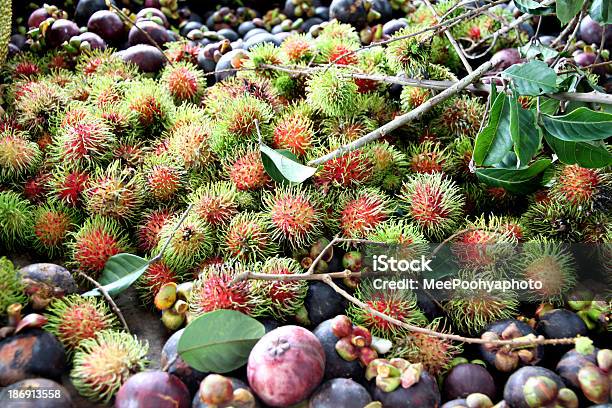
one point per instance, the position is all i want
(159, 256)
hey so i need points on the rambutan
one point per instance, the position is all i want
(551, 264)
(340, 31)
(552, 219)
(15, 218)
(294, 131)
(264, 54)
(389, 166)
(18, 156)
(157, 275)
(297, 48)
(152, 104)
(349, 128)
(37, 103)
(191, 243)
(51, 226)
(183, 51)
(428, 157)
(331, 93)
(216, 203)
(246, 171)
(69, 185)
(399, 235)
(114, 192)
(294, 216)
(408, 53)
(186, 114)
(147, 234)
(470, 310)
(433, 202)
(337, 51)
(190, 145)
(283, 299)
(95, 242)
(435, 353)
(247, 238)
(349, 170)
(24, 65)
(36, 187)
(11, 286)
(130, 153)
(215, 289)
(105, 62)
(460, 116)
(106, 91)
(184, 81)
(215, 103)
(163, 179)
(412, 97)
(582, 188)
(103, 363)
(360, 212)
(460, 152)
(74, 318)
(398, 304)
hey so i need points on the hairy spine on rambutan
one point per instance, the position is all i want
(347, 127)
(433, 202)
(37, 104)
(36, 187)
(190, 145)
(402, 239)
(360, 212)
(294, 131)
(148, 228)
(427, 157)
(408, 53)
(389, 166)
(163, 178)
(153, 105)
(184, 81)
(16, 220)
(283, 299)
(148, 284)
(247, 238)
(216, 203)
(296, 48)
(264, 54)
(294, 216)
(75, 318)
(216, 289)
(18, 156)
(11, 286)
(582, 188)
(68, 185)
(52, 223)
(552, 219)
(95, 242)
(351, 169)
(246, 171)
(103, 363)
(459, 116)
(331, 93)
(215, 101)
(114, 192)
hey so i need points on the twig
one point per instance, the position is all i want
(158, 257)
(451, 39)
(109, 299)
(407, 117)
(574, 33)
(604, 33)
(566, 30)
(296, 277)
(331, 243)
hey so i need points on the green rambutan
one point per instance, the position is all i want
(331, 93)
(184, 81)
(433, 202)
(148, 284)
(399, 304)
(435, 353)
(551, 264)
(163, 179)
(186, 114)
(215, 289)
(412, 97)
(18, 156)
(294, 216)
(74, 318)
(340, 31)
(360, 212)
(191, 243)
(408, 53)
(103, 363)
(236, 124)
(283, 298)
(246, 171)
(297, 48)
(95, 242)
(11, 286)
(215, 102)
(460, 116)
(106, 91)
(114, 192)
(349, 128)
(152, 104)
(216, 203)
(372, 61)
(264, 54)
(460, 152)
(552, 219)
(247, 238)
(147, 233)
(294, 131)
(190, 145)
(470, 310)
(15, 220)
(52, 223)
(68, 185)
(352, 169)
(389, 166)
(37, 103)
(582, 188)
(428, 157)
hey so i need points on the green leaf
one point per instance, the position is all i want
(120, 271)
(219, 341)
(533, 7)
(519, 181)
(549, 106)
(534, 48)
(580, 125)
(601, 11)
(494, 141)
(525, 132)
(283, 166)
(532, 78)
(567, 9)
(585, 154)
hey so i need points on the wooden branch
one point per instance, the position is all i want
(109, 299)
(159, 256)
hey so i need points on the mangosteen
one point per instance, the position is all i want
(227, 62)
(38, 16)
(45, 282)
(190, 376)
(33, 353)
(336, 366)
(253, 33)
(424, 393)
(86, 8)
(228, 33)
(311, 22)
(158, 33)
(382, 7)
(499, 357)
(61, 30)
(151, 13)
(465, 379)
(93, 41)
(322, 303)
(191, 25)
(392, 26)
(153, 389)
(534, 386)
(586, 58)
(340, 393)
(472, 401)
(147, 57)
(107, 25)
(244, 28)
(261, 38)
(19, 40)
(560, 323)
(57, 395)
(587, 374)
(322, 12)
(591, 31)
(270, 324)
(351, 12)
(506, 58)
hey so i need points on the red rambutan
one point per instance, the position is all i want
(68, 185)
(184, 81)
(149, 227)
(157, 275)
(294, 132)
(427, 157)
(163, 178)
(83, 141)
(359, 213)
(579, 186)
(36, 188)
(297, 48)
(52, 224)
(247, 171)
(216, 203)
(351, 169)
(190, 144)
